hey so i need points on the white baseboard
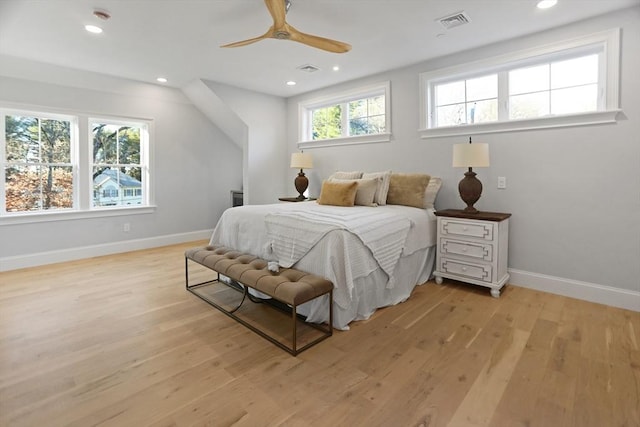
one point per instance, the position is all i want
(616, 297)
(51, 257)
(593, 292)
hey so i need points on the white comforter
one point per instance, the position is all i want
(360, 249)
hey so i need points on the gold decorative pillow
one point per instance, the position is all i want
(366, 190)
(338, 193)
(407, 189)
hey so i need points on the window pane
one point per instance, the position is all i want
(56, 141)
(326, 123)
(376, 105)
(129, 145)
(22, 188)
(22, 139)
(482, 88)
(482, 111)
(377, 124)
(367, 125)
(117, 187)
(57, 187)
(530, 79)
(104, 143)
(358, 108)
(574, 72)
(359, 126)
(450, 115)
(529, 105)
(575, 99)
(450, 93)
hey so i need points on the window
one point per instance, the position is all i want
(49, 170)
(38, 167)
(357, 116)
(117, 163)
(467, 101)
(570, 83)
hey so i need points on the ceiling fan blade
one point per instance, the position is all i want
(318, 42)
(266, 35)
(278, 12)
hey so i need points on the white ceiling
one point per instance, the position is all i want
(179, 39)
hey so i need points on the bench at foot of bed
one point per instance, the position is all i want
(288, 287)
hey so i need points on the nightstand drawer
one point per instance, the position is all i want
(474, 271)
(480, 230)
(480, 251)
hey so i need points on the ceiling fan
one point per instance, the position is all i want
(281, 30)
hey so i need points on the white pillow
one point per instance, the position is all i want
(365, 192)
(431, 192)
(346, 175)
(383, 186)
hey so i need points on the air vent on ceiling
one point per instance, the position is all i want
(308, 68)
(455, 20)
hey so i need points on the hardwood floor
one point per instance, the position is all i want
(117, 341)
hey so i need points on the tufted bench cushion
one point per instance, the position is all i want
(289, 286)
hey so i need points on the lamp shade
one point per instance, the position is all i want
(474, 155)
(301, 161)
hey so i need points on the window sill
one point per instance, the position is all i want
(27, 218)
(581, 119)
(350, 140)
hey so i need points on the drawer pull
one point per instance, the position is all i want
(464, 268)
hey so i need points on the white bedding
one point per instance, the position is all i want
(405, 239)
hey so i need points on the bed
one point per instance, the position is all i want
(374, 255)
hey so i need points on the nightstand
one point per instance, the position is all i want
(473, 248)
(294, 199)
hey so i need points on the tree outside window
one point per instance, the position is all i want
(38, 168)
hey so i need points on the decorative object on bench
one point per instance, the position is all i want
(288, 286)
(325, 242)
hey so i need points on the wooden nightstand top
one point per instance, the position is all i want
(294, 199)
(483, 216)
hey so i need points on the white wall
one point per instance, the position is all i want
(574, 193)
(266, 152)
(195, 164)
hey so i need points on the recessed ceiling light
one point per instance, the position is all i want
(336, 68)
(291, 83)
(93, 29)
(161, 79)
(546, 4)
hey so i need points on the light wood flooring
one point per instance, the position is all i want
(117, 341)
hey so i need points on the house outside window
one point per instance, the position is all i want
(50, 171)
(570, 83)
(119, 167)
(361, 115)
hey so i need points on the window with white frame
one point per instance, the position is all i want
(356, 116)
(118, 162)
(48, 167)
(567, 84)
(39, 162)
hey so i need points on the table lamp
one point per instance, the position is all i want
(301, 161)
(470, 156)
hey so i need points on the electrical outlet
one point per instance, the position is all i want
(502, 182)
(126, 227)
